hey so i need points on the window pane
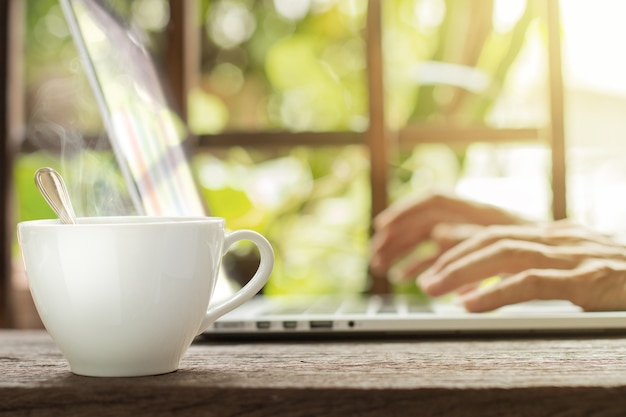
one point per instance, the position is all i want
(312, 204)
(63, 125)
(459, 62)
(291, 65)
(594, 68)
(58, 97)
(282, 64)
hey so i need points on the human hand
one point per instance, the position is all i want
(439, 218)
(555, 261)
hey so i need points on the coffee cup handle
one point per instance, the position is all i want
(253, 286)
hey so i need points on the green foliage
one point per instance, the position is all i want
(30, 203)
(476, 58)
(294, 69)
(312, 206)
(304, 72)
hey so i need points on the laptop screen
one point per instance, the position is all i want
(145, 133)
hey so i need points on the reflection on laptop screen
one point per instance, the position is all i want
(145, 133)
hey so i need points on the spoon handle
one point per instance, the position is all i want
(52, 187)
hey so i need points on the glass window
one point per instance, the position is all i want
(288, 73)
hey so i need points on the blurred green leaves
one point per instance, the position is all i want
(300, 66)
(312, 206)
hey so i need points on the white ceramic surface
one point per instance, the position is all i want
(125, 296)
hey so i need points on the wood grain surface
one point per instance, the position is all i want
(560, 376)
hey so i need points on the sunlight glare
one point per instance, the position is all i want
(506, 13)
(292, 9)
(593, 44)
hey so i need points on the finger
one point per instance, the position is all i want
(467, 288)
(566, 229)
(444, 235)
(420, 216)
(390, 245)
(398, 230)
(406, 225)
(406, 210)
(537, 234)
(504, 257)
(448, 208)
(447, 235)
(532, 284)
(563, 224)
(597, 285)
(387, 246)
(413, 268)
(488, 236)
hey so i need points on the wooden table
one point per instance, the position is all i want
(564, 376)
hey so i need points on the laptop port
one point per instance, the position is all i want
(290, 325)
(228, 325)
(263, 325)
(321, 324)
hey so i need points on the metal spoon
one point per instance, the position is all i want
(52, 187)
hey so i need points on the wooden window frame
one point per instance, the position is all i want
(5, 168)
(11, 133)
(380, 142)
(183, 65)
(182, 71)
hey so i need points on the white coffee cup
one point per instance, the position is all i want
(126, 296)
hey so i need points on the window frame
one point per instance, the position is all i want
(5, 169)
(182, 72)
(381, 143)
(183, 65)
(11, 132)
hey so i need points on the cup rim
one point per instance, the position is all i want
(130, 220)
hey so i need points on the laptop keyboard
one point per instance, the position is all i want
(337, 305)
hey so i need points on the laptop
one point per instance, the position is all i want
(148, 139)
